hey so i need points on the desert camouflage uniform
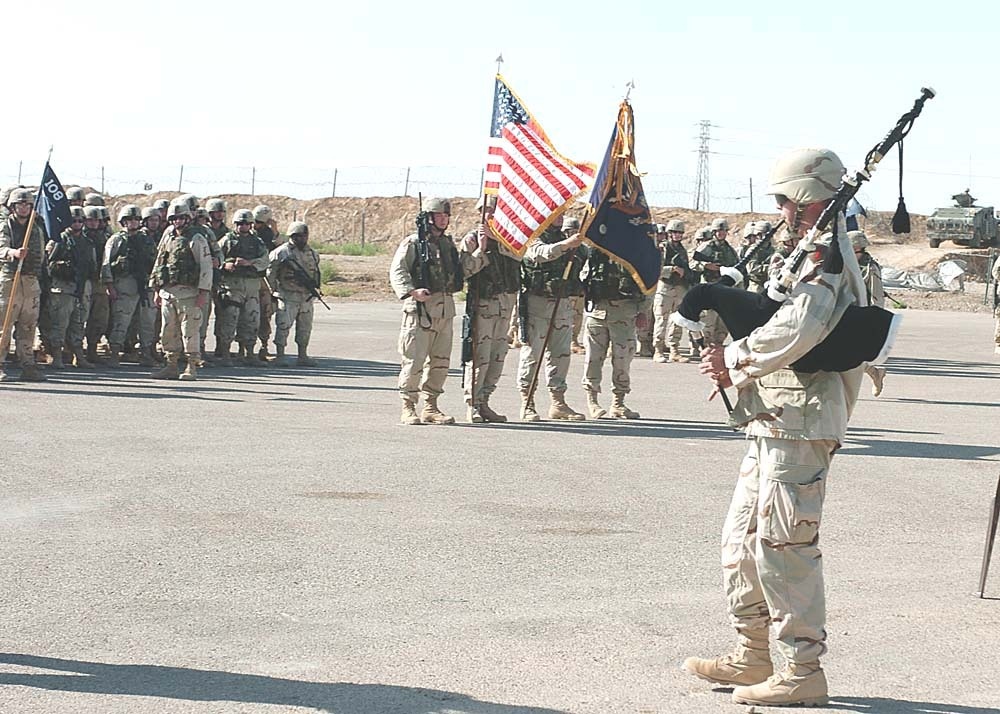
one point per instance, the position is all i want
(71, 262)
(295, 303)
(614, 300)
(758, 267)
(542, 270)
(128, 261)
(238, 316)
(996, 307)
(425, 335)
(99, 317)
(794, 421)
(871, 272)
(670, 290)
(216, 256)
(178, 293)
(25, 306)
(722, 253)
(495, 287)
(267, 301)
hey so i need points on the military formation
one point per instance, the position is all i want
(146, 288)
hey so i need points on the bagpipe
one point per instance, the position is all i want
(862, 335)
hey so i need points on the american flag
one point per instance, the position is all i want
(529, 178)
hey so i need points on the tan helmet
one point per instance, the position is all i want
(571, 224)
(296, 228)
(162, 204)
(719, 224)
(75, 193)
(76, 213)
(437, 205)
(93, 199)
(661, 228)
(92, 213)
(491, 202)
(675, 225)
(859, 241)
(215, 204)
(20, 195)
(806, 176)
(127, 211)
(763, 227)
(189, 200)
(750, 229)
(262, 213)
(150, 212)
(105, 216)
(177, 209)
(242, 216)
(704, 233)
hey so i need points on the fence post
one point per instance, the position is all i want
(253, 181)
(362, 230)
(333, 194)
(20, 164)
(102, 179)
(406, 186)
(751, 194)
(180, 181)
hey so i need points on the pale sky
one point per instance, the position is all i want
(298, 89)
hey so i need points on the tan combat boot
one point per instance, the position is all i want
(30, 371)
(749, 663)
(57, 360)
(595, 409)
(80, 359)
(432, 415)
(475, 415)
(305, 360)
(659, 356)
(146, 357)
(248, 359)
(489, 415)
(528, 412)
(113, 361)
(675, 355)
(409, 413)
(190, 373)
(169, 370)
(878, 380)
(802, 685)
(279, 356)
(561, 411)
(619, 410)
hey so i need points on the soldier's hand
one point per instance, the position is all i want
(216, 263)
(641, 321)
(573, 241)
(242, 262)
(711, 266)
(202, 299)
(229, 266)
(713, 366)
(420, 294)
(471, 242)
(484, 239)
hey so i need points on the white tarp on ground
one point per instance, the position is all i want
(948, 277)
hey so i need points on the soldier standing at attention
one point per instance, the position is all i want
(871, 271)
(238, 316)
(17, 245)
(494, 287)
(675, 277)
(615, 308)
(182, 278)
(291, 267)
(127, 263)
(718, 253)
(794, 421)
(424, 278)
(71, 262)
(542, 269)
(263, 228)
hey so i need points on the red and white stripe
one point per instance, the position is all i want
(531, 182)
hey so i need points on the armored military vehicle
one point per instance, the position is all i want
(965, 223)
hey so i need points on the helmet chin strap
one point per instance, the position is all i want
(797, 220)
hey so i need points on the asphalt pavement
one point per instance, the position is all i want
(273, 540)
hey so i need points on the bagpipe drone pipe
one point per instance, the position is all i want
(863, 334)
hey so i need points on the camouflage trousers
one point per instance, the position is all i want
(996, 329)
(293, 312)
(557, 355)
(77, 329)
(61, 308)
(181, 330)
(425, 353)
(610, 322)
(126, 307)
(266, 313)
(490, 333)
(577, 301)
(645, 337)
(715, 329)
(668, 299)
(23, 316)
(771, 560)
(239, 322)
(206, 314)
(100, 317)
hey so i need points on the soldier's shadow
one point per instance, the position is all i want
(885, 705)
(199, 685)
(937, 368)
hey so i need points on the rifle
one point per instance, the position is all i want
(469, 324)
(423, 259)
(303, 279)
